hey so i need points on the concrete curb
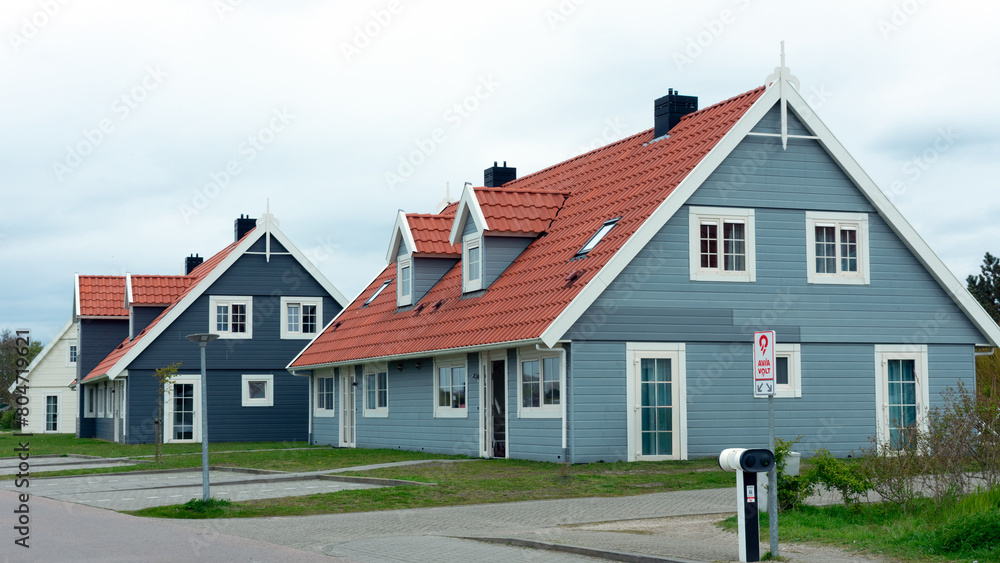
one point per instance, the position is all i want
(585, 551)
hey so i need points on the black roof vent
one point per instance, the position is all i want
(192, 262)
(243, 226)
(669, 109)
(496, 176)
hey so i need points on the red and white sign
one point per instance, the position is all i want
(763, 362)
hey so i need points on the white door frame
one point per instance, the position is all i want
(634, 352)
(168, 409)
(348, 409)
(884, 353)
(486, 403)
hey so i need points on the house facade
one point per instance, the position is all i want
(604, 308)
(263, 298)
(48, 385)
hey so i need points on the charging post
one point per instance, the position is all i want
(747, 463)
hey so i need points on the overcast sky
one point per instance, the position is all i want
(134, 133)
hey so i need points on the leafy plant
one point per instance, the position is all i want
(851, 480)
(793, 490)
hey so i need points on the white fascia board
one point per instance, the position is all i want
(76, 296)
(401, 230)
(128, 291)
(938, 270)
(467, 205)
(307, 265)
(659, 218)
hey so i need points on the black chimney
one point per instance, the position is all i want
(192, 262)
(243, 226)
(496, 176)
(669, 109)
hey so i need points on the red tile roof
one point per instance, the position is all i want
(430, 232)
(518, 210)
(196, 275)
(627, 179)
(101, 296)
(158, 290)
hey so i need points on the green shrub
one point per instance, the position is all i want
(851, 480)
(9, 421)
(793, 490)
(971, 532)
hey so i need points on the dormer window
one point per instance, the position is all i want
(404, 289)
(472, 263)
(600, 234)
(382, 287)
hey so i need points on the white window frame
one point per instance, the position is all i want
(268, 400)
(216, 300)
(449, 411)
(375, 411)
(883, 353)
(721, 215)
(288, 334)
(543, 410)
(70, 360)
(89, 401)
(318, 391)
(793, 389)
(45, 411)
(168, 408)
(102, 399)
(469, 242)
(858, 221)
(676, 352)
(403, 299)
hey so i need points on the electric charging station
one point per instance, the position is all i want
(747, 463)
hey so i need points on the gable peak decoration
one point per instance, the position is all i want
(782, 76)
(267, 220)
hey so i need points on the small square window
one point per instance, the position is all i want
(837, 248)
(472, 263)
(722, 244)
(230, 317)
(300, 316)
(404, 288)
(258, 390)
(71, 354)
(451, 383)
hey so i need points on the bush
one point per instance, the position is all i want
(851, 480)
(9, 420)
(971, 532)
(792, 490)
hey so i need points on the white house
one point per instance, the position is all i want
(50, 400)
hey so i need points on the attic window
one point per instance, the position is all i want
(600, 234)
(384, 285)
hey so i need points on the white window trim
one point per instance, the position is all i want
(289, 335)
(656, 350)
(69, 345)
(884, 352)
(449, 412)
(794, 387)
(102, 399)
(402, 300)
(376, 412)
(216, 300)
(268, 400)
(698, 214)
(324, 413)
(469, 242)
(45, 411)
(89, 403)
(168, 408)
(542, 411)
(860, 220)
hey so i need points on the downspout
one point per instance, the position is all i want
(562, 391)
(312, 389)
(985, 353)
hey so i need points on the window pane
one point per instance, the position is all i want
(735, 247)
(458, 388)
(709, 245)
(444, 387)
(404, 281)
(51, 413)
(239, 317)
(474, 269)
(72, 354)
(383, 389)
(530, 385)
(826, 250)
(222, 318)
(257, 389)
(310, 319)
(550, 375)
(848, 250)
(293, 317)
(370, 391)
(781, 370)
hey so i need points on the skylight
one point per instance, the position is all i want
(377, 291)
(604, 230)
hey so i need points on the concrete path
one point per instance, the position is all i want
(38, 463)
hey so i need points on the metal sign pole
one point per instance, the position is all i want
(772, 484)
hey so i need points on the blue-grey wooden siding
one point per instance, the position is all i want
(411, 424)
(97, 338)
(653, 299)
(142, 316)
(227, 359)
(470, 227)
(771, 123)
(326, 429)
(500, 252)
(261, 245)
(597, 422)
(538, 439)
(427, 272)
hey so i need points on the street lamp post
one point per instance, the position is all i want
(201, 340)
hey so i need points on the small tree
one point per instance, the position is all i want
(164, 376)
(986, 286)
(10, 352)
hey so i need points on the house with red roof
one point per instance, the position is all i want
(263, 298)
(604, 308)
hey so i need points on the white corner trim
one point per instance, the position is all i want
(468, 204)
(659, 217)
(401, 230)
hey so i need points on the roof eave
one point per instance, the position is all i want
(420, 354)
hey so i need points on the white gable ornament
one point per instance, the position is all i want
(780, 76)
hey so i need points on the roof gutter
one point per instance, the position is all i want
(992, 350)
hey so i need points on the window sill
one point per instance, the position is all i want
(324, 413)
(447, 412)
(745, 277)
(234, 336)
(540, 412)
(298, 336)
(376, 413)
(837, 279)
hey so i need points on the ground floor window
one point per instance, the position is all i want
(324, 396)
(51, 413)
(902, 394)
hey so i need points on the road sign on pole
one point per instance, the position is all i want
(763, 363)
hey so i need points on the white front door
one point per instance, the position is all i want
(902, 394)
(182, 410)
(657, 413)
(347, 410)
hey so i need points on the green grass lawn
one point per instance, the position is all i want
(480, 481)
